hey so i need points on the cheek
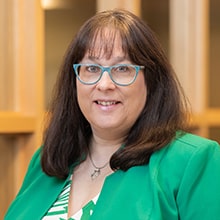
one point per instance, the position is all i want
(141, 89)
(84, 98)
(136, 99)
(140, 95)
(140, 99)
(81, 95)
(81, 90)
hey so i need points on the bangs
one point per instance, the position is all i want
(102, 42)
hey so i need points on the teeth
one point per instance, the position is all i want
(106, 103)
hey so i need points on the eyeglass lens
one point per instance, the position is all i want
(120, 74)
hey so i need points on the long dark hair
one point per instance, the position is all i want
(68, 133)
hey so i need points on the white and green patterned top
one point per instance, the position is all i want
(59, 210)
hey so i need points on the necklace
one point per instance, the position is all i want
(97, 170)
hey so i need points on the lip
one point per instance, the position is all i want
(106, 104)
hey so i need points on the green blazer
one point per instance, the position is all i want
(181, 181)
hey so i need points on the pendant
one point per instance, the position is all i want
(95, 174)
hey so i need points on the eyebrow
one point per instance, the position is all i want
(116, 59)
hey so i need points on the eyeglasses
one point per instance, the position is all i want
(121, 74)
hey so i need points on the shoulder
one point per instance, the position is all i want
(193, 141)
(35, 163)
(188, 167)
(186, 155)
(35, 160)
(187, 145)
(34, 170)
(35, 188)
(194, 147)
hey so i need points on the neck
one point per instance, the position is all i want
(100, 152)
(102, 147)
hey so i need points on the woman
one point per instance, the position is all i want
(115, 146)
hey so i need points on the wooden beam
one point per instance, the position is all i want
(13, 122)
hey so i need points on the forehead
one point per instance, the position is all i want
(106, 43)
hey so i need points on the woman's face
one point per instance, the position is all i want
(111, 109)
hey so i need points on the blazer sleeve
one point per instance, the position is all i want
(198, 196)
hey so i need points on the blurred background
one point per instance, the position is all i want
(34, 35)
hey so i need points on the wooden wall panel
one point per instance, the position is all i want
(132, 5)
(21, 91)
(7, 190)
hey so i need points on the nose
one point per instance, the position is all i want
(105, 83)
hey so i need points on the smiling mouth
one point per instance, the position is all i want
(107, 103)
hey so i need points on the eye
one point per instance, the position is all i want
(122, 68)
(93, 69)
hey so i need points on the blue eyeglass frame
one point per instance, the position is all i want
(107, 69)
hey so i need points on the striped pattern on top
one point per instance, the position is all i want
(59, 210)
